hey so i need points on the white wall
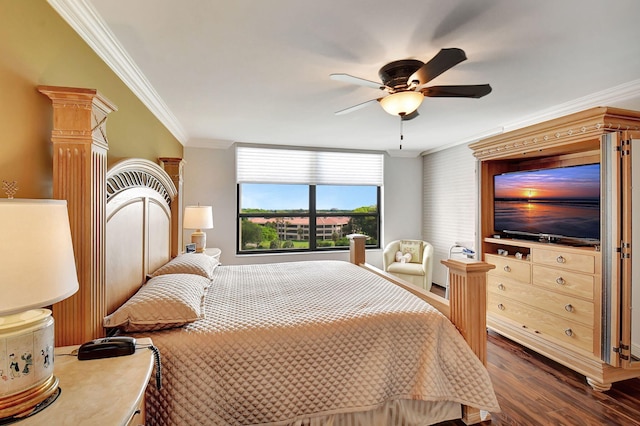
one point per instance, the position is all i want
(402, 199)
(209, 179)
(449, 203)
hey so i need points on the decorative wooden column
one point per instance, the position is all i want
(174, 168)
(468, 296)
(79, 172)
(357, 244)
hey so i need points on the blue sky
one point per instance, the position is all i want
(280, 197)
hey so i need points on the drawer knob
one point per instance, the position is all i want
(501, 286)
(501, 306)
(568, 332)
(568, 307)
(561, 259)
(560, 281)
(507, 268)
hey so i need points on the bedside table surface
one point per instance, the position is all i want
(97, 392)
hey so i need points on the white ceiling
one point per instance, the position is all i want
(218, 72)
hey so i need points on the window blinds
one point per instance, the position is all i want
(310, 167)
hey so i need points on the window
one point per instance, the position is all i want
(301, 200)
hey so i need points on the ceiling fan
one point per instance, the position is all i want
(405, 82)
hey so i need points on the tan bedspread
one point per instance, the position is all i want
(283, 341)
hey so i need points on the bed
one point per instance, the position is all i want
(125, 224)
(309, 342)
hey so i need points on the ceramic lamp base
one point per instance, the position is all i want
(26, 362)
(199, 238)
(30, 401)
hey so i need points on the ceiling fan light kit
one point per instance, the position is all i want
(402, 103)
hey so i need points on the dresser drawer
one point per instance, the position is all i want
(570, 283)
(510, 267)
(566, 260)
(559, 304)
(506, 286)
(567, 333)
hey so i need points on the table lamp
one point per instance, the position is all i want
(198, 218)
(37, 269)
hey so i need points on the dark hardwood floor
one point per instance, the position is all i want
(533, 390)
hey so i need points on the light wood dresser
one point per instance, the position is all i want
(550, 292)
(568, 299)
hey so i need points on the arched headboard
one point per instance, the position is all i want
(138, 226)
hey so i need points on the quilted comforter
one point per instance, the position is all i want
(288, 341)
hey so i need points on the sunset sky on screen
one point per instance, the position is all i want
(567, 182)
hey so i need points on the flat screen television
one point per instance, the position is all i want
(552, 204)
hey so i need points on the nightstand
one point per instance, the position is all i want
(213, 252)
(108, 391)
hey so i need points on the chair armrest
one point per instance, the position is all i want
(389, 254)
(427, 261)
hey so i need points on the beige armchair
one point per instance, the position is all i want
(419, 271)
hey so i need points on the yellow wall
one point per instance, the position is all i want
(37, 47)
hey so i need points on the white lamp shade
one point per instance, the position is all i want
(198, 217)
(37, 265)
(402, 103)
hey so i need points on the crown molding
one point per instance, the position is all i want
(209, 143)
(609, 97)
(470, 139)
(90, 26)
(403, 153)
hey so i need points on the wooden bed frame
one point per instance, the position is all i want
(126, 222)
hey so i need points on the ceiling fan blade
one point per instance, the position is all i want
(470, 91)
(444, 60)
(356, 107)
(346, 78)
(411, 116)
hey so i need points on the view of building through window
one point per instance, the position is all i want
(280, 217)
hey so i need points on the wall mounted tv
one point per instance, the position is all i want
(553, 204)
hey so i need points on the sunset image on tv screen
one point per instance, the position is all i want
(562, 201)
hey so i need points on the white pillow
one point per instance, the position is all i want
(403, 258)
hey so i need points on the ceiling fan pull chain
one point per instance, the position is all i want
(401, 135)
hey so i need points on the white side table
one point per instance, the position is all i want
(213, 252)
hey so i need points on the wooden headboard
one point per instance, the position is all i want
(138, 226)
